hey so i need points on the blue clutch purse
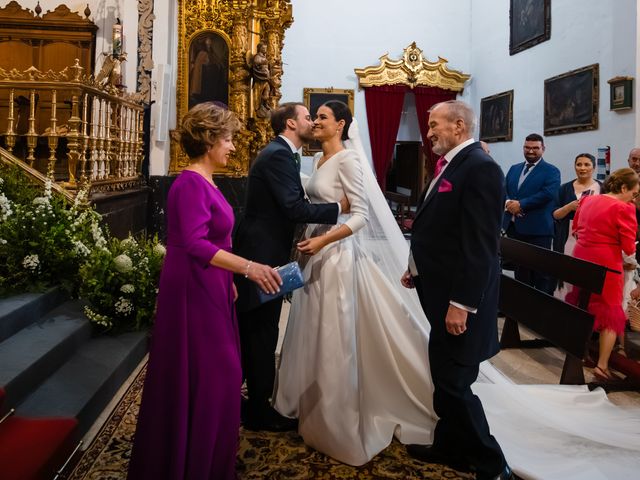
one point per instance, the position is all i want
(291, 279)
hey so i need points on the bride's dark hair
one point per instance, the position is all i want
(341, 112)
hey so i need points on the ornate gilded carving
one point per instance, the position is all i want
(14, 11)
(412, 70)
(145, 53)
(243, 24)
(102, 122)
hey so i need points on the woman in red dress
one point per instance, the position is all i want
(605, 226)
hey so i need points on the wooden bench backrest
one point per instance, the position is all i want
(580, 273)
(562, 325)
(565, 326)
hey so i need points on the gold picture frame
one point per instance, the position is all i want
(496, 117)
(571, 101)
(314, 97)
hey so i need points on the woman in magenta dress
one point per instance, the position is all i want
(605, 226)
(189, 419)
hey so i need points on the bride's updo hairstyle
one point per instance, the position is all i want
(203, 126)
(341, 112)
(621, 177)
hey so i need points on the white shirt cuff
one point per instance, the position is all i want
(463, 307)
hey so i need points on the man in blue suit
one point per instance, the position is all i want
(531, 188)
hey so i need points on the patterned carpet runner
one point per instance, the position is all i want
(261, 455)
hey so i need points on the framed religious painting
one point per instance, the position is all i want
(529, 24)
(208, 75)
(314, 97)
(571, 101)
(496, 117)
(620, 93)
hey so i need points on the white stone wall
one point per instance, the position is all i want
(582, 33)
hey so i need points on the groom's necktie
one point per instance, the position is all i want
(439, 166)
(296, 158)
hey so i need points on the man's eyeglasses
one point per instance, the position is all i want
(531, 148)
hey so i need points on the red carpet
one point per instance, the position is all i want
(34, 448)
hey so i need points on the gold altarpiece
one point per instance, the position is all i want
(241, 25)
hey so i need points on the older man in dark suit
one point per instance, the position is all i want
(454, 266)
(275, 203)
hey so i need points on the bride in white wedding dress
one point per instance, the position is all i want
(354, 366)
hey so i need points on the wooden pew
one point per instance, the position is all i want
(400, 205)
(560, 324)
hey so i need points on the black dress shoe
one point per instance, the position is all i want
(427, 454)
(270, 421)
(505, 474)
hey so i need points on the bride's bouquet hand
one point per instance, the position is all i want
(311, 246)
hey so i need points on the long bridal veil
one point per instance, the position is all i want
(545, 431)
(381, 238)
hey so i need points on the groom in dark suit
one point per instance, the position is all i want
(455, 268)
(275, 203)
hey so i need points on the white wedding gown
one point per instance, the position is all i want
(354, 365)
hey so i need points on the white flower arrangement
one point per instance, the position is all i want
(127, 288)
(123, 263)
(31, 262)
(160, 250)
(98, 235)
(124, 306)
(6, 209)
(128, 242)
(48, 184)
(80, 249)
(98, 319)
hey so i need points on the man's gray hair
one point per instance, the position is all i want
(459, 110)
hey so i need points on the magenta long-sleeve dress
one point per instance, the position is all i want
(190, 414)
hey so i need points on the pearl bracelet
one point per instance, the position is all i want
(246, 273)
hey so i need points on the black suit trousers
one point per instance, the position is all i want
(258, 341)
(462, 430)
(540, 281)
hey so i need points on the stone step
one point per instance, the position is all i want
(18, 311)
(85, 384)
(35, 352)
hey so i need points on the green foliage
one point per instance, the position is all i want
(120, 283)
(42, 242)
(46, 242)
(16, 186)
